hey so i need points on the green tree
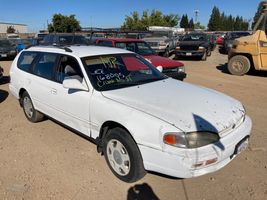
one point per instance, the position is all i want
(184, 22)
(64, 24)
(215, 20)
(155, 18)
(10, 29)
(191, 24)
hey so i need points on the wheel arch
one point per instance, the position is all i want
(106, 126)
(21, 91)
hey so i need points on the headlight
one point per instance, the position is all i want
(181, 69)
(230, 45)
(190, 140)
(200, 47)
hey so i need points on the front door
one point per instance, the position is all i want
(263, 47)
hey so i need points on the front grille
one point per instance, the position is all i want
(188, 47)
(153, 44)
(170, 69)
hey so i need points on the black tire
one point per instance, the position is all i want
(239, 65)
(204, 57)
(29, 110)
(131, 158)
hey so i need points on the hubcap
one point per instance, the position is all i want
(118, 157)
(238, 66)
(28, 108)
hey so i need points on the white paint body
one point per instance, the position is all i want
(147, 111)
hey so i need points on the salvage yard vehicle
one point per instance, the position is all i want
(230, 37)
(7, 49)
(250, 52)
(170, 67)
(194, 45)
(140, 119)
(162, 42)
(64, 39)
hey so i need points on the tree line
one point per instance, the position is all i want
(221, 22)
(218, 21)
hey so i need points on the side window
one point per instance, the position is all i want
(26, 59)
(68, 66)
(45, 65)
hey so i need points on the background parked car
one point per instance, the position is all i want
(64, 39)
(230, 37)
(194, 45)
(24, 43)
(162, 42)
(170, 67)
(7, 49)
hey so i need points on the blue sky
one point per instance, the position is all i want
(111, 13)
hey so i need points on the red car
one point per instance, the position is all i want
(170, 67)
(220, 39)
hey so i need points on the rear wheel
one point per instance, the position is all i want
(239, 65)
(122, 155)
(29, 110)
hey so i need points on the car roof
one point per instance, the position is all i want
(121, 39)
(80, 51)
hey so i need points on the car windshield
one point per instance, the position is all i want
(5, 43)
(195, 37)
(109, 72)
(235, 35)
(72, 39)
(141, 48)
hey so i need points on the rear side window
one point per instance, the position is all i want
(26, 59)
(45, 66)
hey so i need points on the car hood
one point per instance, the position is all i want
(164, 62)
(185, 106)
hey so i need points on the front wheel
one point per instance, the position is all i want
(29, 110)
(239, 65)
(122, 155)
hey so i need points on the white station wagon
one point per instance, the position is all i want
(139, 119)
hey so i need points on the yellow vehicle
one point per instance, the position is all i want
(250, 52)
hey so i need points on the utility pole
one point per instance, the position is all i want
(196, 15)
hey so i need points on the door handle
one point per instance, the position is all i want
(53, 91)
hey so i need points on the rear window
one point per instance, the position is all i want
(26, 59)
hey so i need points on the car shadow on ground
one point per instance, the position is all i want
(223, 69)
(141, 192)
(3, 95)
(4, 80)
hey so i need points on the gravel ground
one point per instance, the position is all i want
(47, 161)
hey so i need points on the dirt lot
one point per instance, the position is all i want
(47, 161)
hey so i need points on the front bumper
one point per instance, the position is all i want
(190, 53)
(178, 162)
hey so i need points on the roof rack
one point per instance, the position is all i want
(67, 49)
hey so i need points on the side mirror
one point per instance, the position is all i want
(160, 68)
(74, 82)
